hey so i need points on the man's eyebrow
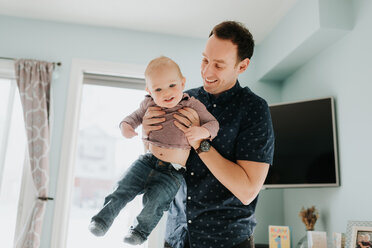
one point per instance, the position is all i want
(216, 60)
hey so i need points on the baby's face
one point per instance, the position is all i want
(366, 238)
(166, 87)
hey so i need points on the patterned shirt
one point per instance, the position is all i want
(204, 211)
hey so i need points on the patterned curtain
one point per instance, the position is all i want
(33, 80)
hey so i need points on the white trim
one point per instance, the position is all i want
(7, 69)
(6, 128)
(66, 165)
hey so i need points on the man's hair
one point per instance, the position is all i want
(238, 34)
(161, 63)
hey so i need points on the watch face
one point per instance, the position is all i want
(205, 146)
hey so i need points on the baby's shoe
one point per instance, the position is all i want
(134, 238)
(97, 228)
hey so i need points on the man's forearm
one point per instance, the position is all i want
(232, 176)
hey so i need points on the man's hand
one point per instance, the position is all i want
(127, 130)
(150, 119)
(186, 123)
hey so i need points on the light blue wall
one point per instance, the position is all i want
(342, 68)
(343, 71)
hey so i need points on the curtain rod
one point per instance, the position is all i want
(54, 63)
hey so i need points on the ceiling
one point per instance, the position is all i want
(192, 18)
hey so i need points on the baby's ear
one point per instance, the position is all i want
(148, 91)
(183, 82)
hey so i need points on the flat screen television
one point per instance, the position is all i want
(305, 152)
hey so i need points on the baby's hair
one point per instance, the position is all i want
(161, 63)
(368, 238)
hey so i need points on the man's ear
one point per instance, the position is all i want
(243, 65)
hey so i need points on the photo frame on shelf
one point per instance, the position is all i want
(356, 229)
(361, 236)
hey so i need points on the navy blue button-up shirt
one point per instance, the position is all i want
(204, 211)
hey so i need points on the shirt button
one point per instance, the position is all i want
(214, 105)
(191, 173)
(189, 198)
(189, 221)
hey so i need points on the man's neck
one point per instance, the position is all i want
(216, 95)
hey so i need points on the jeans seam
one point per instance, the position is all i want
(148, 178)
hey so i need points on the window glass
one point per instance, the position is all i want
(12, 131)
(102, 156)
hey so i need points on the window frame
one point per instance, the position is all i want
(69, 142)
(6, 129)
(7, 71)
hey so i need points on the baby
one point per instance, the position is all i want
(157, 174)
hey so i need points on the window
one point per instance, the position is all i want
(12, 155)
(107, 76)
(102, 155)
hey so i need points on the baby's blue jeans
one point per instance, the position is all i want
(157, 180)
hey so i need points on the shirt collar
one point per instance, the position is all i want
(224, 96)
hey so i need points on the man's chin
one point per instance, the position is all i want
(209, 88)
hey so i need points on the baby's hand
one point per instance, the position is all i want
(196, 133)
(127, 130)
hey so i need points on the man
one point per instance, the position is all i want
(216, 205)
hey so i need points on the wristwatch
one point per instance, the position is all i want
(204, 147)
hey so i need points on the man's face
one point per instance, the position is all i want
(219, 68)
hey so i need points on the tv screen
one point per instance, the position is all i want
(305, 152)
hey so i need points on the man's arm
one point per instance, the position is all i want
(244, 179)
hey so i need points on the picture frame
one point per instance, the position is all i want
(361, 237)
(355, 228)
(279, 237)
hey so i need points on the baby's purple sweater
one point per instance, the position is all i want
(170, 136)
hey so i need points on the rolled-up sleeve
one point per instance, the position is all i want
(255, 141)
